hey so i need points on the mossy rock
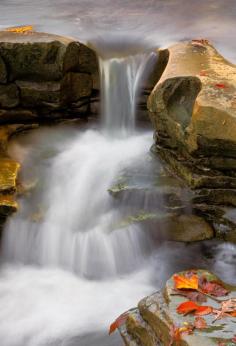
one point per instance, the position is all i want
(9, 96)
(8, 175)
(3, 71)
(8, 205)
(44, 94)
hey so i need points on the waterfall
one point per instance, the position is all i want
(79, 227)
(120, 83)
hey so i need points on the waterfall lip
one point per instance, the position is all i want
(121, 46)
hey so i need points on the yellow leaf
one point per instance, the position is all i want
(20, 29)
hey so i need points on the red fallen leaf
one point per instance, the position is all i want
(213, 288)
(188, 307)
(200, 323)
(118, 322)
(220, 85)
(221, 344)
(200, 41)
(203, 310)
(234, 339)
(191, 295)
(185, 282)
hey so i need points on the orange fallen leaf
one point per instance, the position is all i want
(20, 29)
(118, 322)
(200, 323)
(203, 310)
(189, 307)
(185, 282)
(220, 86)
(186, 307)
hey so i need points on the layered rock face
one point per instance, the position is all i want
(45, 76)
(193, 110)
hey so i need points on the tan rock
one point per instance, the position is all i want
(194, 101)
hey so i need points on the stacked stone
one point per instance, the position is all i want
(193, 110)
(44, 76)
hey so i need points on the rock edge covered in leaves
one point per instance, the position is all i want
(195, 308)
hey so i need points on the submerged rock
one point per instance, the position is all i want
(155, 320)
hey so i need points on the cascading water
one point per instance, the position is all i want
(120, 80)
(65, 255)
(77, 231)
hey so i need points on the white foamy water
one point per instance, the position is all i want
(68, 268)
(50, 307)
(69, 221)
(79, 227)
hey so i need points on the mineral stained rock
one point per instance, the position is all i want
(152, 323)
(193, 111)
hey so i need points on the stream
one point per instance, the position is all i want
(69, 263)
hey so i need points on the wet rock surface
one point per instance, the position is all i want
(156, 317)
(192, 108)
(158, 203)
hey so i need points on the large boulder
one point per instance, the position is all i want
(36, 56)
(193, 110)
(196, 97)
(50, 75)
